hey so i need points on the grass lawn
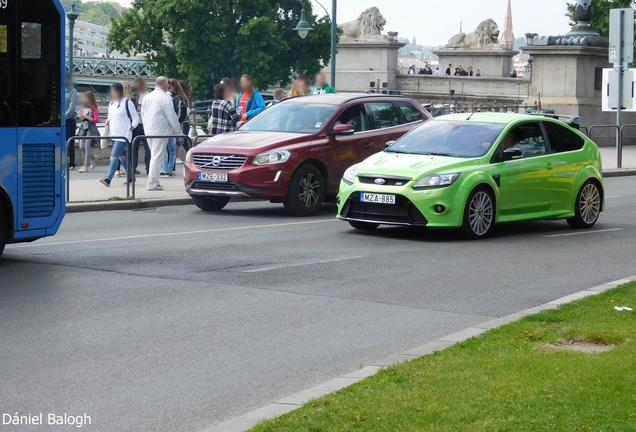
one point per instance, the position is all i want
(508, 379)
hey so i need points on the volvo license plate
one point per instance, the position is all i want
(377, 198)
(213, 177)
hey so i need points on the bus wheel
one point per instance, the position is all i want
(4, 228)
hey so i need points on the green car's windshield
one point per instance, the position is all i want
(449, 138)
(292, 117)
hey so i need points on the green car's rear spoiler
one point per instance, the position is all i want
(573, 121)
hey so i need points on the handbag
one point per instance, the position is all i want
(105, 143)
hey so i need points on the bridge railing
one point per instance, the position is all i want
(111, 67)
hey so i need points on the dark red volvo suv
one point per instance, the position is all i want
(297, 151)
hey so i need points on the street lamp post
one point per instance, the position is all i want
(303, 29)
(72, 16)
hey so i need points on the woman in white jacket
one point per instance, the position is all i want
(122, 120)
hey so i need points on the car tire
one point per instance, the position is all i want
(363, 226)
(479, 214)
(587, 207)
(306, 192)
(4, 228)
(211, 203)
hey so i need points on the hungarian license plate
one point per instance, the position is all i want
(213, 177)
(377, 198)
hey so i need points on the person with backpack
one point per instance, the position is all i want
(122, 120)
(250, 101)
(181, 109)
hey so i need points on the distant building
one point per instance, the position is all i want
(508, 36)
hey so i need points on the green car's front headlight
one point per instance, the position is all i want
(434, 181)
(350, 175)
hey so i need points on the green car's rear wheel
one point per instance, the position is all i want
(587, 208)
(363, 226)
(479, 215)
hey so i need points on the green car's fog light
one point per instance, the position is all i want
(440, 209)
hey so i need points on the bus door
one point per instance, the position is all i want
(40, 116)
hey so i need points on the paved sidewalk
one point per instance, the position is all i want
(86, 187)
(610, 159)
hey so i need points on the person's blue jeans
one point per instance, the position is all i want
(171, 156)
(119, 151)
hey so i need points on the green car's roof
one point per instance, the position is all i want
(502, 118)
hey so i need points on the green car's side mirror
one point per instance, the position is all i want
(512, 154)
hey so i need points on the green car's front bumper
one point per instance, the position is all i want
(435, 208)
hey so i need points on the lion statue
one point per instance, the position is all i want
(369, 25)
(485, 36)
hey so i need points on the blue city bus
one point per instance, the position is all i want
(32, 129)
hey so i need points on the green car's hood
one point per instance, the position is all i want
(414, 166)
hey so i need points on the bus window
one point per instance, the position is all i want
(39, 87)
(8, 103)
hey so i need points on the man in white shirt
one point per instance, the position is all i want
(159, 119)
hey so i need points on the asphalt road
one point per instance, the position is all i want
(176, 320)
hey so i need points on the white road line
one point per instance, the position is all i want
(300, 264)
(614, 196)
(584, 233)
(183, 233)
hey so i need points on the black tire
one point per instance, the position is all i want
(587, 207)
(4, 228)
(306, 191)
(363, 226)
(479, 214)
(210, 203)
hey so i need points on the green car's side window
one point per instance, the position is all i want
(527, 137)
(562, 139)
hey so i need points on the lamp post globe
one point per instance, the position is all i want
(303, 28)
(72, 16)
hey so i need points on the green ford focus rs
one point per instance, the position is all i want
(473, 171)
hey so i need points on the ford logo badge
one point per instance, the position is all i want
(380, 181)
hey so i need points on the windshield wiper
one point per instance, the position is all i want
(436, 154)
(396, 151)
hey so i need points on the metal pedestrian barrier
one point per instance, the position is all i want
(130, 159)
(619, 140)
(71, 141)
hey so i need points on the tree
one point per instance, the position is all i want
(600, 13)
(203, 41)
(95, 13)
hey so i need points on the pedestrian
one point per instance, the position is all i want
(181, 109)
(70, 117)
(412, 70)
(250, 100)
(301, 87)
(128, 94)
(470, 71)
(457, 72)
(322, 87)
(141, 90)
(422, 71)
(478, 73)
(438, 72)
(513, 73)
(448, 70)
(429, 70)
(279, 95)
(234, 88)
(89, 117)
(122, 120)
(186, 123)
(160, 119)
(223, 115)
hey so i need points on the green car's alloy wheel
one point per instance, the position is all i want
(210, 204)
(479, 216)
(364, 226)
(306, 191)
(588, 206)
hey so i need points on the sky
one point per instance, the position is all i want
(433, 22)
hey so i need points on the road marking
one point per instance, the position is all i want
(300, 264)
(183, 233)
(584, 233)
(614, 196)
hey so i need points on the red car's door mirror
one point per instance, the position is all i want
(343, 130)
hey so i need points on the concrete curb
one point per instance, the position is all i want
(624, 172)
(295, 401)
(125, 205)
